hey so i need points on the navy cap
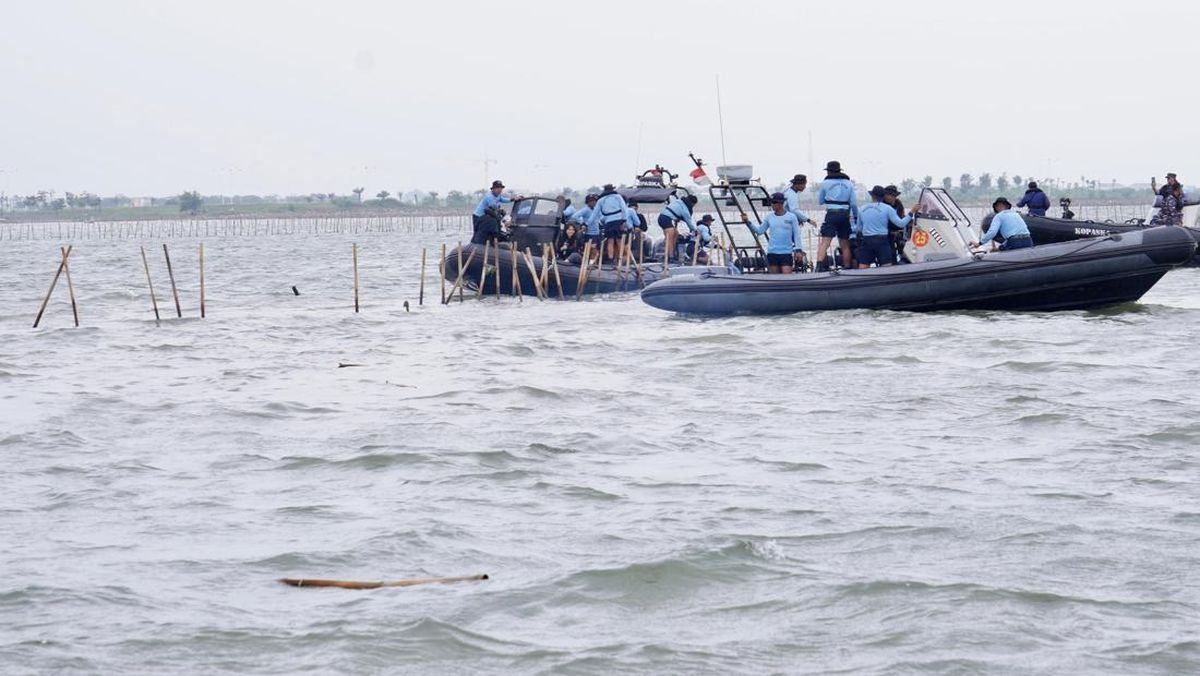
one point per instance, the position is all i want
(878, 191)
(706, 218)
(778, 197)
(497, 184)
(799, 178)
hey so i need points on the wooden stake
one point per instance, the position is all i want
(70, 287)
(557, 278)
(583, 270)
(458, 283)
(149, 283)
(483, 270)
(202, 311)
(421, 293)
(442, 272)
(461, 271)
(497, 269)
(354, 253)
(171, 274)
(516, 273)
(353, 584)
(61, 264)
(537, 284)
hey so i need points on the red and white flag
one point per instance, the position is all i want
(699, 177)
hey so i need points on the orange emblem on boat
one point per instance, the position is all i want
(920, 238)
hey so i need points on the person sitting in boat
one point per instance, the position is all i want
(1007, 224)
(841, 210)
(783, 234)
(566, 244)
(610, 217)
(1036, 200)
(678, 211)
(799, 183)
(1167, 188)
(1171, 211)
(493, 198)
(488, 229)
(874, 241)
(891, 197)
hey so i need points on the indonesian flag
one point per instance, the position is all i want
(699, 177)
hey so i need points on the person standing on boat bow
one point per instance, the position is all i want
(678, 211)
(875, 242)
(491, 200)
(841, 210)
(1007, 224)
(611, 217)
(783, 234)
(1035, 199)
(1171, 211)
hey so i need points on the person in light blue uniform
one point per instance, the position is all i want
(637, 229)
(841, 210)
(678, 211)
(799, 183)
(875, 243)
(611, 218)
(783, 233)
(1007, 224)
(703, 240)
(581, 215)
(492, 200)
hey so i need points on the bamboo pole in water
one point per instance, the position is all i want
(483, 270)
(70, 287)
(61, 264)
(537, 284)
(202, 311)
(557, 277)
(354, 254)
(497, 270)
(153, 300)
(583, 270)
(421, 292)
(458, 283)
(442, 272)
(461, 271)
(516, 273)
(171, 274)
(354, 584)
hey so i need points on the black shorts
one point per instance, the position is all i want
(876, 249)
(782, 260)
(666, 222)
(1017, 242)
(594, 239)
(612, 230)
(837, 224)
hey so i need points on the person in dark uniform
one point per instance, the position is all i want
(891, 197)
(1168, 187)
(1035, 200)
(488, 228)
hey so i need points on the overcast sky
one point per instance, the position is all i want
(152, 98)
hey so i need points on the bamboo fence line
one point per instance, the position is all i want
(233, 227)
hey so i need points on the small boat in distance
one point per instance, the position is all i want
(1049, 230)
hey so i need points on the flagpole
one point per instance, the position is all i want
(721, 121)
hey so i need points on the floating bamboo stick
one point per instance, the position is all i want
(421, 292)
(171, 274)
(353, 584)
(442, 272)
(202, 312)
(153, 300)
(61, 264)
(70, 287)
(354, 253)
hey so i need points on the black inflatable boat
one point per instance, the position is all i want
(1067, 276)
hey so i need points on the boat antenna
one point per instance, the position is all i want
(637, 159)
(721, 121)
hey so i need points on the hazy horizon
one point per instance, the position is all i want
(144, 98)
